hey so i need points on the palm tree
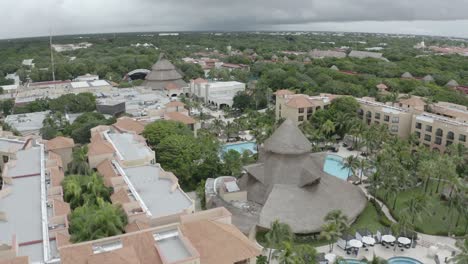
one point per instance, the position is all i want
(416, 206)
(462, 258)
(278, 234)
(338, 218)
(362, 164)
(328, 128)
(351, 163)
(217, 126)
(79, 164)
(330, 232)
(286, 254)
(306, 254)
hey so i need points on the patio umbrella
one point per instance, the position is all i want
(368, 240)
(355, 243)
(388, 238)
(404, 240)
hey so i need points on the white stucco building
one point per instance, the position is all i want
(216, 93)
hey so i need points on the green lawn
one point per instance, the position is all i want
(437, 220)
(368, 219)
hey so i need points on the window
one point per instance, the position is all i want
(5, 159)
(418, 135)
(386, 118)
(462, 138)
(448, 143)
(310, 110)
(450, 135)
(428, 128)
(438, 140)
(377, 116)
(368, 114)
(301, 110)
(394, 128)
(301, 118)
(377, 122)
(395, 119)
(439, 132)
(427, 137)
(418, 125)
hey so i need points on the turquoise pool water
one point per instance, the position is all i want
(403, 260)
(334, 166)
(240, 147)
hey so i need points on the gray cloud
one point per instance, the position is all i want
(35, 18)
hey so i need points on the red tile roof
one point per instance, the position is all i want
(59, 143)
(127, 124)
(176, 116)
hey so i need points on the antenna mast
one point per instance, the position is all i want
(52, 57)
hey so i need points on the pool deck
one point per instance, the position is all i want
(419, 253)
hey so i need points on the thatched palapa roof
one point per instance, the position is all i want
(290, 183)
(162, 73)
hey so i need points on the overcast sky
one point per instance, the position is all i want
(24, 18)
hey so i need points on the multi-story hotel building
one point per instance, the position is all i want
(436, 125)
(299, 107)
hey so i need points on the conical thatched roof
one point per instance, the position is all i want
(288, 139)
(428, 78)
(406, 75)
(162, 73)
(452, 83)
(334, 68)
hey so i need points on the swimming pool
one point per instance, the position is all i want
(240, 147)
(403, 260)
(334, 166)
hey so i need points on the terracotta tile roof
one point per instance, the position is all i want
(283, 92)
(219, 243)
(175, 104)
(56, 176)
(200, 80)
(56, 157)
(125, 255)
(126, 124)
(62, 239)
(136, 226)
(76, 254)
(16, 260)
(144, 247)
(106, 169)
(59, 143)
(171, 86)
(299, 102)
(61, 208)
(176, 116)
(120, 197)
(100, 147)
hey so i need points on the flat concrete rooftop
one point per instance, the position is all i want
(128, 147)
(23, 205)
(156, 192)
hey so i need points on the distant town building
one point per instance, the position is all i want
(320, 54)
(28, 123)
(71, 47)
(407, 75)
(28, 62)
(428, 78)
(365, 54)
